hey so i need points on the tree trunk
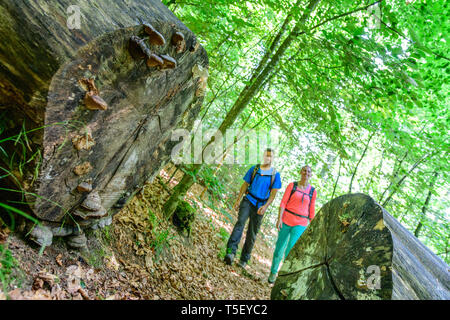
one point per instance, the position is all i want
(337, 179)
(394, 175)
(399, 183)
(354, 249)
(258, 77)
(179, 192)
(427, 201)
(177, 167)
(116, 150)
(360, 159)
(368, 185)
(241, 103)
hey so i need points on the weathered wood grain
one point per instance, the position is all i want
(417, 273)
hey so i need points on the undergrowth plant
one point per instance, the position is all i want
(7, 264)
(21, 166)
(160, 238)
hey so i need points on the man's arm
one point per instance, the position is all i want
(263, 208)
(241, 193)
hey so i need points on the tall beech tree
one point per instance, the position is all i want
(352, 70)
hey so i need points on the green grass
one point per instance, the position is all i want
(7, 265)
(106, 234)
(223, 235)
(160, 238)
(152, 218)
(23, 162)
(161, 242)
(95, 258)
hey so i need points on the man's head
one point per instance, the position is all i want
(268, 156)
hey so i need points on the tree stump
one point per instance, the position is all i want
(107, 97)
(355, 250)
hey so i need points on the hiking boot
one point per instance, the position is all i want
(229, 259)
(242, 264)
(272, 277)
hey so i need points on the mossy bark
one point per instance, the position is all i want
(179, 191)
(184, 217)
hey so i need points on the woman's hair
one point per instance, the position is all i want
(306, 165)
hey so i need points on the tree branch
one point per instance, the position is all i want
(420, 46)
(339, 16)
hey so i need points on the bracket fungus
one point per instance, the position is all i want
(88, 85)
(94, 102)
(84, 141)
(82, 169)
(86, 214)
(169, 62)
(91, 207)
(138, 49)
(84, 187)
(155, 37)
(202, 75)
(93, 202)
(178, 42)
(154, 61)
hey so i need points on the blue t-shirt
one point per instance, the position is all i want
(261, 184)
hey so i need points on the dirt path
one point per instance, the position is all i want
(141, 256)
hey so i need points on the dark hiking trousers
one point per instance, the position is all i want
(246, 210)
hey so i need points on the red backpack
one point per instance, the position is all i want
(311, 192)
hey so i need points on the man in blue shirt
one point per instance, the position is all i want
(260, 192)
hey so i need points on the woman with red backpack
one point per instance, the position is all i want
(297, 209)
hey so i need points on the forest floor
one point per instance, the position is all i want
(139, 256)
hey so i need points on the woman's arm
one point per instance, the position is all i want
(280, 218)
(283, 204)
(312, 211)
(286, 195)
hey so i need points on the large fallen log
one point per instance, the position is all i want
(354, 250)
(107, 97)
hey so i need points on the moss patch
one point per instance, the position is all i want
(184, 217)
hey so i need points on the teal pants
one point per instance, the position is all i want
(287, 237)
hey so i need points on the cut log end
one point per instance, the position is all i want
(133, 105)
(338, 253)
(355, 250)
